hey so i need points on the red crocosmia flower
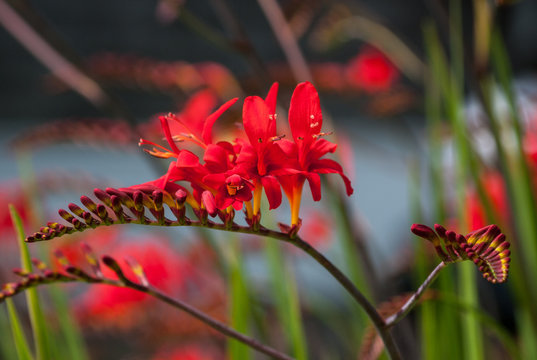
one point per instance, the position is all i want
(116, 306)
(371, 71)
(304, 155)
(191, 125)
(259, 119)
(494, 186)
(231, 190)
(16, 198)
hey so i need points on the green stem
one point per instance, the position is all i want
(34, 306)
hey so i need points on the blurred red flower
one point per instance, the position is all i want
(494, 186)
(112, 305)
(185, 353)
(371, 71)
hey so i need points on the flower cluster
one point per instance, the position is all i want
(486, 247)
(231, 175)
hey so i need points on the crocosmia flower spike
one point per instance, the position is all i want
(486, 247)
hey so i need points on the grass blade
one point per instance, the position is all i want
(19, 339)
(240, 302)
(287, 301)
(35, 311)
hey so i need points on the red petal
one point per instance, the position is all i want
(328, 166)
(272, 191)
(315, 185)
(166, 129)
(237, 205)
(214, 181)
(258, 125)
(305, 117)
(216, 159)
(197, 109)
(206, 133)
(271, 98)
(187, 159)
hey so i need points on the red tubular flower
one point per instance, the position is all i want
(259, 119)
(193, 124)
(233, 174)
(304, 155)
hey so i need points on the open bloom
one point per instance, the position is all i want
(230, 175)
(261, 155)
(304, 155)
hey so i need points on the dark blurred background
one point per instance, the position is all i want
(133, 28)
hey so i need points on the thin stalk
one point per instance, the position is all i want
(287, 39)
(472, 335)
(409, 305)
(51, 57)
(215, 324)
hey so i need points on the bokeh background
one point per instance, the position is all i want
(366, 58)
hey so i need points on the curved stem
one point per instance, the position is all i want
(74, 274)
(409, 305)
(372, 313)
(370, 310)
(217, 325)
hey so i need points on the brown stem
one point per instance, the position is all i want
(409, 305)
(217, 325)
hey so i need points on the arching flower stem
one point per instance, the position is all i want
(414, 299)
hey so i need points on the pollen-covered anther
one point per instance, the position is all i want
(322, 134)
(277, 137)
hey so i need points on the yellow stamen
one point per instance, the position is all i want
(192, 202)
(249, 212)
(258, 191)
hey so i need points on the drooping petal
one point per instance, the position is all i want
(305, 117)
(318, 149)
(206, 133)
(329, 166)
(272, 191)
(315, 185)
